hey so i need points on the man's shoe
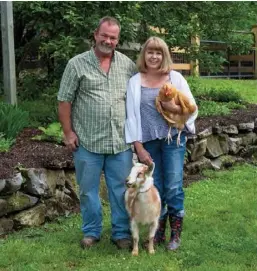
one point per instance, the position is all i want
(88, 241)
(123, 243)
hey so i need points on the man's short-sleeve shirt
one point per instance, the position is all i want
(98, 100)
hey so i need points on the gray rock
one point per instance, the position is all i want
(217, 129)
(230, 129)
(3, 207)
(205, 133)
(20, 201)
(235, 145)
(197, 150)
(6, 225)
(198, 166)
(2, 184)
(12, 184)
(43, 182)
(249, 152)
(246, 126)
(34, 216)
(223, 140)
(248, 139)
(216, 163)
(213, 148)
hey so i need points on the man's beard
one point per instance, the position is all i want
(105, 49)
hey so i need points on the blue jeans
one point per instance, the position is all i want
(116, 167)
(168, 173)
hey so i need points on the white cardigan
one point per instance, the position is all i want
(133, 130)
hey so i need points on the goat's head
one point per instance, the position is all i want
(139, 175)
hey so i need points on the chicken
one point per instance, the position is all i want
(166, 94)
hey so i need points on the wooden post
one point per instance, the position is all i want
(194, 64)
(8, 52)
(254, 30)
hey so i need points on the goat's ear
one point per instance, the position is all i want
(151, 169)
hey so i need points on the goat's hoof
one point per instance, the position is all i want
(134, 253)
(151, 251)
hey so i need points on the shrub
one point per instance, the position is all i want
(220, 93)
(12, 120)
(41, 112)
(224, 95)
(5, 143)
(52, 133)
(210, 108)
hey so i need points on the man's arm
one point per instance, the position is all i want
(71, 139)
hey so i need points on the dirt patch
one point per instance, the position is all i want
(30, 153)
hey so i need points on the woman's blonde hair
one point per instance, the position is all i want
(155, 43)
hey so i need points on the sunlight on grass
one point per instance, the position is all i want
(219, 234)
(247, 88)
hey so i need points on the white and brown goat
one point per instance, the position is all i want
(142, 203)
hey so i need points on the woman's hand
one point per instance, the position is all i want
(143, 155)
(172, 107)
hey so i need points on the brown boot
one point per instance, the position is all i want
(176, 224)
(88, 241)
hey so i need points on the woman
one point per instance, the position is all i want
(146, 129)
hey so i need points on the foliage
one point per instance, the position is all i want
(53, 133)
(5, 143)
(219, 234)
(41, 112)
(12, 120)
(210, 108)
(56, 31)
(246, 88)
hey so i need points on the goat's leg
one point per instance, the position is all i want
(135, 234)
(152, 230)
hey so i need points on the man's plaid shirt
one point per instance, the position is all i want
(98, 100)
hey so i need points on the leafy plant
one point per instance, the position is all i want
(12, 120)
(5, 143)
(41, 112)
(224, 95)
(52, 133)
(210, 108)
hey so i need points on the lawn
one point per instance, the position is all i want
(247, 88)
(219, 234)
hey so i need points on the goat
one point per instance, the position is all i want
(142, 203)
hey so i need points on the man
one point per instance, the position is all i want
(92, 113)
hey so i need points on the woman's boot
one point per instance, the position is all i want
(176, 224)
(160, 233)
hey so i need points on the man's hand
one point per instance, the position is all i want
(71, 141)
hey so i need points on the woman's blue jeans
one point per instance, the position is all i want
(116, 167)
(168, 173)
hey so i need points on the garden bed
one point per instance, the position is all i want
(30, 153)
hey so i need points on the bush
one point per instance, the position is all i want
(213, 93)
(12, 120)
(5, 143)
(224, 95)
(210, 108)
(41, 112)
(53, 133)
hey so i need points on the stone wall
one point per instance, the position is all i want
(221, 146)
(34, 196)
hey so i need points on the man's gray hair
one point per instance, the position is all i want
(110, 20)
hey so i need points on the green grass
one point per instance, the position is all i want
(219, 235)
(247, 88)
